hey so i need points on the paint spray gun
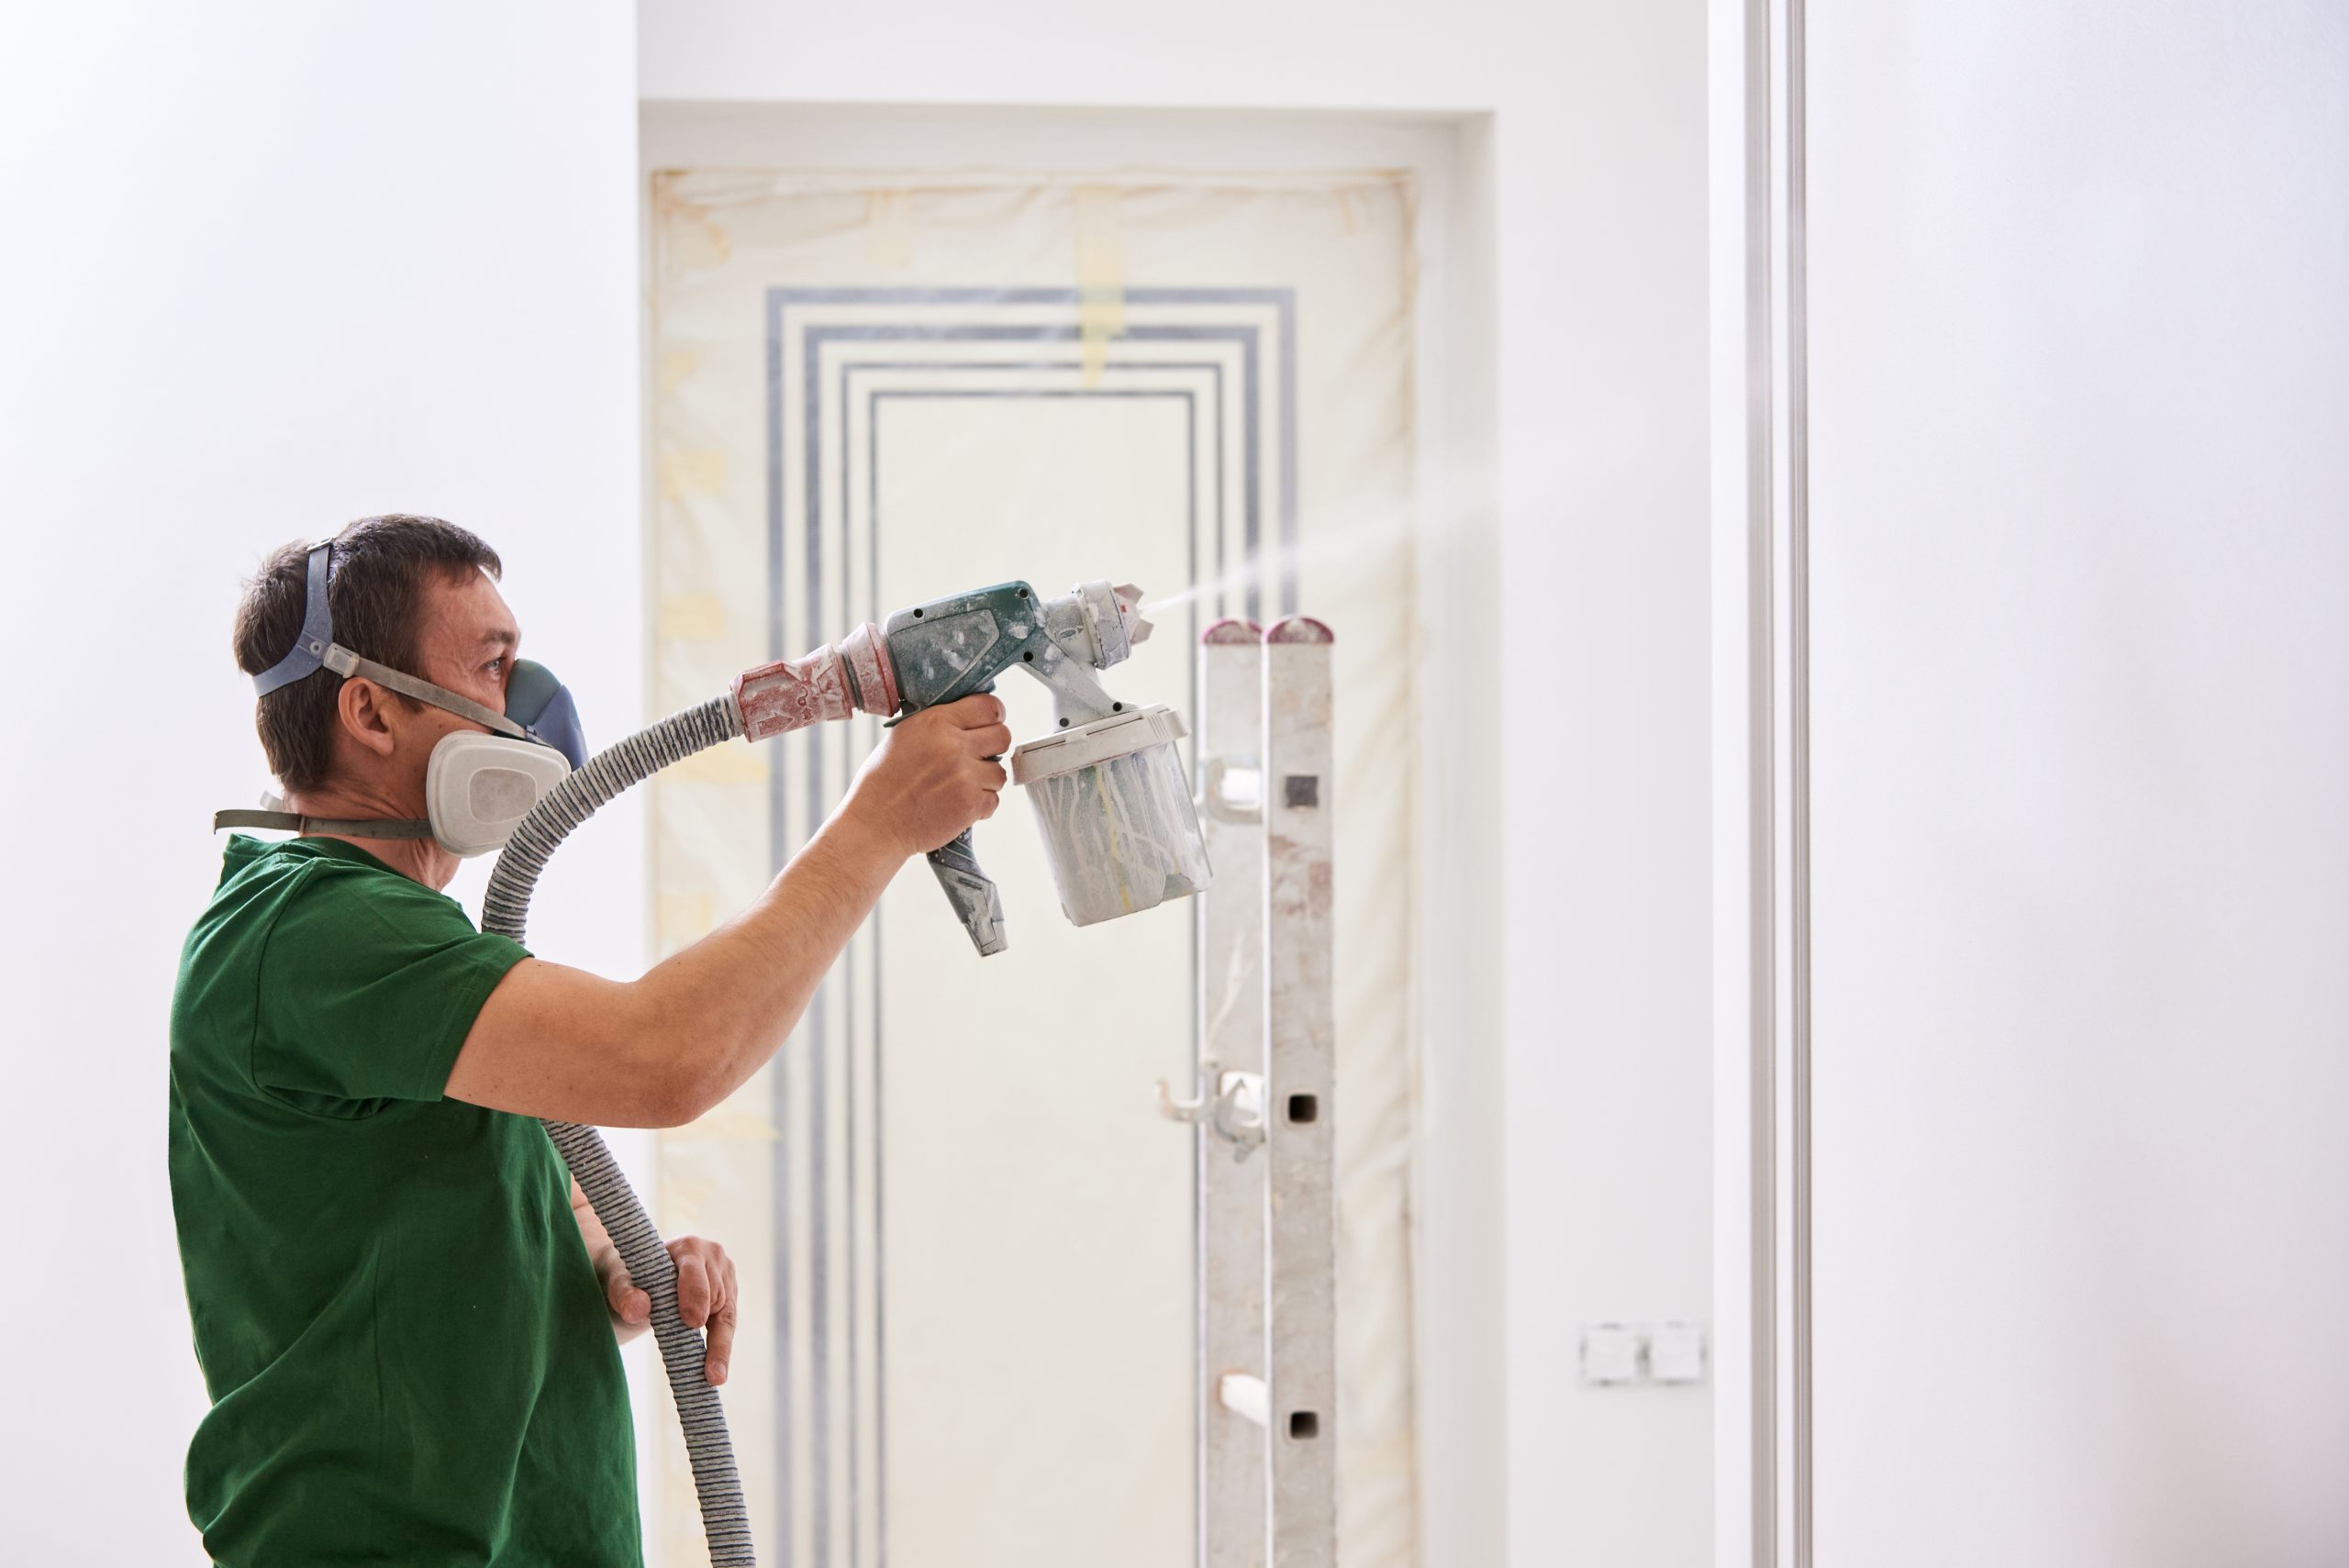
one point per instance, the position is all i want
(1109, 792)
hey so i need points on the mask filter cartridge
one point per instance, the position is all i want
(1115, 811)
(477, 787)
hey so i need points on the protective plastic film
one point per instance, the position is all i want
(869, 390)
(1121, 835)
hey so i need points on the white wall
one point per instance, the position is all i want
(270, 268)
(281, 265)
(2080, 535)
(1597, 1152)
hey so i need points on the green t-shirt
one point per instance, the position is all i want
(408, 1352)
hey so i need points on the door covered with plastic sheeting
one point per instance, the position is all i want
(967, 1239)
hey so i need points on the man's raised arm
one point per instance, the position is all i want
(658, 1052)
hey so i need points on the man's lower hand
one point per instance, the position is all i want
(707, 1298)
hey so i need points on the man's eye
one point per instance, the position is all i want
(497, 666)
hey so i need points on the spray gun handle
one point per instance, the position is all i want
(971, 890)
(953, 647)
(972, 893)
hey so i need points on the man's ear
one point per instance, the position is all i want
(360, 707)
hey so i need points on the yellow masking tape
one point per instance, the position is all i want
(726, 1125)
(688, 237)
(699, 472)
(1100, 277)
(696, 243)
(732, 764)
(684, 1195)
(889, 228)
(681, 919)
(673, 366)
(691, 616)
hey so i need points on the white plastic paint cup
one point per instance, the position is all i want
(1114, 807)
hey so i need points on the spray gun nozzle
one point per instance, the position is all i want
(1128, 598)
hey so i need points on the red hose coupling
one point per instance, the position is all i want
(831, 682)
(869, 670)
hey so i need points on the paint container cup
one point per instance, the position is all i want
(1114, 806)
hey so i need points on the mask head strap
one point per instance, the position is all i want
(309, 649)
(315, 649)
(295, 822)
(343, 661)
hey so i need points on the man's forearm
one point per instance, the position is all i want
(660, 1051)
(723, 1006)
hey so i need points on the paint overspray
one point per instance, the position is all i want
(1451, 510)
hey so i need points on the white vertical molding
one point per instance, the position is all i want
(1761, 776)
(1742, 1442)
(1458, 1245)
(1790, 979)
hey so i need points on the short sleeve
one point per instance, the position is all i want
(368, 987)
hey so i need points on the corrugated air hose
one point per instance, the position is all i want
(504, 908)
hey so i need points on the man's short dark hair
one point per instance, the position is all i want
(375, 593)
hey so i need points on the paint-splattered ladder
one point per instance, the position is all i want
(1266, 1231)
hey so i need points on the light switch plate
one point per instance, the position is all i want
(1676, 1352)
(1610, 1354)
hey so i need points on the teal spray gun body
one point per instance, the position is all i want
(948, 648)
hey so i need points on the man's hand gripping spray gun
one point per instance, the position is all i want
(1109, 794)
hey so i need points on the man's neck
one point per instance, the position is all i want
(420, 860)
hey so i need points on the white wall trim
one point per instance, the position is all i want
(1761, 778)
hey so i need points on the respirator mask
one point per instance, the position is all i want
(476, 786)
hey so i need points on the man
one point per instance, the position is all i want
(405, 1311)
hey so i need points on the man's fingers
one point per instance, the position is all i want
(692, 1290)
(1000, 776)
(629, 1305)
(990, 741)
(978, 711)
(721, 1345)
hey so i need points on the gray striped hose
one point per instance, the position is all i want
(504, 908)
